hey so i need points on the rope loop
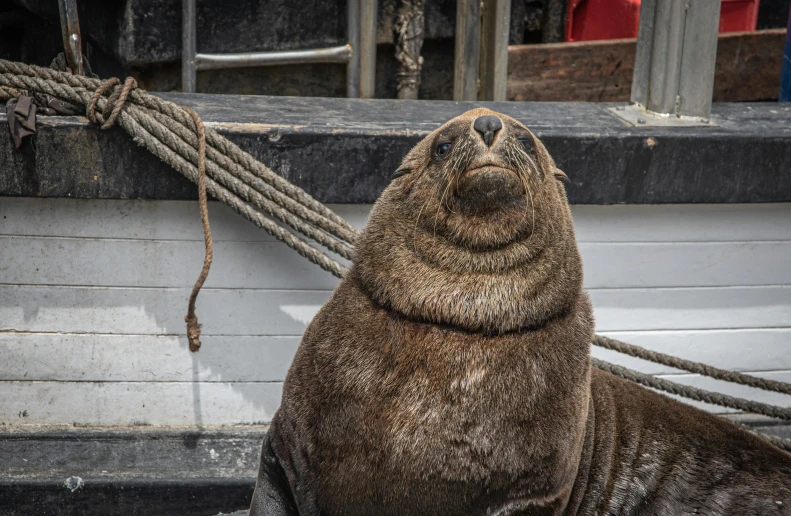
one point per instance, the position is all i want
(114, 104)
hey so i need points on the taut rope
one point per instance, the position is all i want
(177, 136)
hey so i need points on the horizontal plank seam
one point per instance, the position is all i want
(652, 330)
(4, 332)
(173, 382)
(7, 331)
(265, 289)
(132, 239)
(675, 376)
(274, 241)
(782, 286)
(134, 287)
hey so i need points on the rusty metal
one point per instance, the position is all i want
(353, 38)
(72, 38)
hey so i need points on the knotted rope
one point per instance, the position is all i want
(178, 137)
(193, 328)
(115, 103)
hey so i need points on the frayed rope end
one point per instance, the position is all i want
(193, 331)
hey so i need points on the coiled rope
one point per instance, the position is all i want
(220, 168)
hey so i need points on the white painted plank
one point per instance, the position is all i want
(691, 308)
(735, 350)
(173, 220)
(156, 311)
(144, 358)
(169, 263)
(287, 312)
(689, 264)
(121, 403)
(165, 358)
(185, 403)
(155, 263)
(682, 222)
(138, 219)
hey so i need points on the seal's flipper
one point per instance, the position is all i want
(272, 496)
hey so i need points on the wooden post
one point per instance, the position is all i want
(468, 46)
(368, 10)
(493, 68)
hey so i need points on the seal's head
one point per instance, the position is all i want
(474, 231)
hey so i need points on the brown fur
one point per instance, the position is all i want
(449, 372)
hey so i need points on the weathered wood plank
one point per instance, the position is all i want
(146, 311)
(691, 308)
(138, 403)
(165, 358)
(748, 65)
(682, 222)
(178, 220)
(137, 219)
(155, 263)
(272, 265)
(762, 349)
(143, 311)
(345, 150)
(688, 264)
(144, 358)
(186, 403)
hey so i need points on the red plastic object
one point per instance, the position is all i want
(588, 20)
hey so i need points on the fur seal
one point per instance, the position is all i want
(449, 373)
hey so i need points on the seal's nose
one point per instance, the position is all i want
(487, 125)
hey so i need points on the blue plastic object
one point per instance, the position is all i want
(785, 74)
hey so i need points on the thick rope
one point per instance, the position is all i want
(692, 367)
(222, 170)
(693, 393)
(72, 88)
(193, 327)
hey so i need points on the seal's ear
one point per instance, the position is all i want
(561, 176)
(402, 170)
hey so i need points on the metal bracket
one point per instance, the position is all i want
(72, 38)
(638, 116)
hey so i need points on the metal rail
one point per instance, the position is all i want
(339, 54)
(359, 53)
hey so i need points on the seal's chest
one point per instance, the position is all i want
(450, 413)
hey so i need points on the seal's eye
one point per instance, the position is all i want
(527, 143)
(443, 148)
